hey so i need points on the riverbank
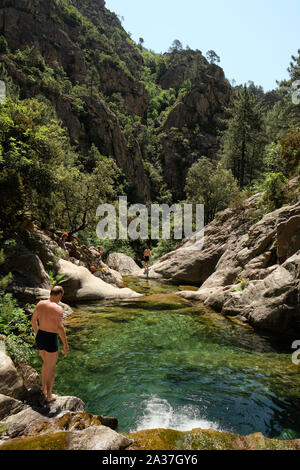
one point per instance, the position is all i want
(26, 423)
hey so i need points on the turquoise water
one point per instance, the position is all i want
(169, 363)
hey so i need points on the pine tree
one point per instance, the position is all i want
(243, 140)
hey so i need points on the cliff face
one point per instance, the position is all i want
(60, 32)
(105, 72)
(190, 129)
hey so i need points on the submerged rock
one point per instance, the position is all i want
(205, 439)
(163, 301)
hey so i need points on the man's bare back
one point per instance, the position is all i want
(49, 315)
(47, 323)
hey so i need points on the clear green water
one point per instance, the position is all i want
(170, 363)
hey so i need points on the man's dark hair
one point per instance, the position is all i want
(56, 290)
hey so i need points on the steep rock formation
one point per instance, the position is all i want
(55, 33)
(189, 130)
(244, 269)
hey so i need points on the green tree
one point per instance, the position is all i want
(79, 194)
(272, 158)
(212, 57)
(176, 46)
(211, 185)
(290, 152)
(243, 141)
(275, 192)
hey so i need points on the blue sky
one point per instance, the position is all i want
(254, 38)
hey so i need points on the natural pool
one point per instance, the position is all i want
(165, 362)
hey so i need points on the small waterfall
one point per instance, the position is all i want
(159, 413)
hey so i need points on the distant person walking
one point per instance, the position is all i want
(100, 252)
(147, 254)
(47, 323)
(62, 243)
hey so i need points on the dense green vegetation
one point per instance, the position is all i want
(47, 176)
(15, 326)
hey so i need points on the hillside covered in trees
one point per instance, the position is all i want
(91, 115)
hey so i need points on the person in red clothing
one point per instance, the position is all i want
(62, 243)
(100, 252)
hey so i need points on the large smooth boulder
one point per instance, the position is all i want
(26, 267)
(272, 303)
(81, 285)
(122, 263)
(108, 275)
(243, 268)
(11, 384)
(97, 438)
(196, 259)
(81, 255)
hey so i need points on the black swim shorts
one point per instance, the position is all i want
(46, 341)
(146, 258)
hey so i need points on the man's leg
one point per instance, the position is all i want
(44, 372)
(51, 359)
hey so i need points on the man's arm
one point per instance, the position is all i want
(34, 318)
(62, 334)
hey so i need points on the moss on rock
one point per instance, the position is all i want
(205, 439)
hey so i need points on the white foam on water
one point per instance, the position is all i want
(158, 413)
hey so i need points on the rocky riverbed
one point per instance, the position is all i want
(242, 267)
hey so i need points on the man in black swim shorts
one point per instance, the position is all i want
(47, 324)
(147, 256)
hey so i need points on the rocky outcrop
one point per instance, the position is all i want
(11, 384)
(81, 255)
(29, 422)
(245, 269)
(91, 438)
(189, 130)
(122, 263)
(81, 285)
(36, 251)
(196, 259)
(205, 439)
(26, 267)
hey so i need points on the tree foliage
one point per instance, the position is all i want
(212, 185)
(243, 141)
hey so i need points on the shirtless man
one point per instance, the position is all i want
(147, 254)
(47, 323)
